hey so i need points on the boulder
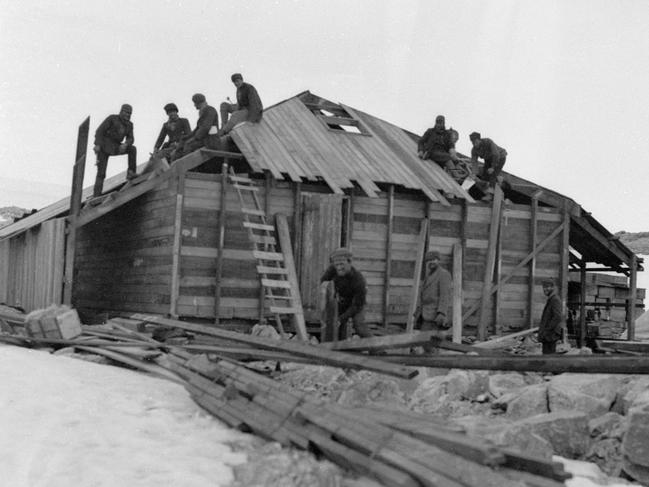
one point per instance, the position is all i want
(500, 384)
(635, 446)
(566, 432)
(633, 393)
(529, 401)
(466, 384)
(607, 455)
(592, 394)
(378, 392)
(610, 425)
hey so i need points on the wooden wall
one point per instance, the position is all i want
(123, 260)
(31, 266)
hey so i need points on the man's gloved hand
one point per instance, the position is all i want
(440, 320)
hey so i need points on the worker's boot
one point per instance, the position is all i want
(99, 185)
(130, 174)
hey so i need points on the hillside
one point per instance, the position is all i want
(638, 242)
(9, 213)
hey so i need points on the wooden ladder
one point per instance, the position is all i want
(282, 295)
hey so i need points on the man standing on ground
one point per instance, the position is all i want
(175, 128)
(494, 159)
(550, 327)
(434, 303)
(436, 145)
(206, 126)
(248, 107)
(114, 137)
(351, 291)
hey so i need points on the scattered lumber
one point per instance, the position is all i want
(330, 357)
(590, 364)
(498, 342)
(400, 340)
(626, 346)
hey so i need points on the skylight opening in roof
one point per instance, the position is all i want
(352, 129)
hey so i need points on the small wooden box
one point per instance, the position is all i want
(54, 322)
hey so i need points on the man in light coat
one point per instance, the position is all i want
(434, 303)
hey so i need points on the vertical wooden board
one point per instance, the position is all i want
(4, 270)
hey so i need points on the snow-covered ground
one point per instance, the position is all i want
(68, 422)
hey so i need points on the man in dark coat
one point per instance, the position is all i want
(175, 128)
(205, 131)
(550, 327)
(248, 107)
(434, 303)
(494, 159)
(114, 137)
(437, 145)
(351, 292)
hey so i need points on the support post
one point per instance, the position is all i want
(582, 305)
(533, 238)
(565, 262)
(220, 243)
(175, 263)
(633, 283)
(388, 256)
(78, 173)
(262, 289)
(457, 293)
(297, 226)
(419, 262)
(497, 274)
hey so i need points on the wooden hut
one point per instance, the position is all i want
(176, 243)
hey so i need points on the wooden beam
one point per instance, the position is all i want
(497, 342)
(388, 256)
(565, 259)
(78, 173)
(419, 262)
(494, 228)
(457, 293)
(520, 265)
(633, 284)
(601, 239)
(175, 263)
(400, 340)
(582, 306)
(534, 210)
(221, 243)
(296, 301)
(497, 274)
(268, 219)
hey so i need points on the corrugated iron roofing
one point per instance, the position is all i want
(292, 141)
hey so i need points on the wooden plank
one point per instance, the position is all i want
(532, 270)
(242, 187)
(175, 264)
(497, 274)
(419, 262)
(494, 229)
(631, 309)
(274, 283)
(263, 269)
(563, 271)
(273, 256)
(285, 243)
(497, 342)
(259, 226)
(400, 340)
(457, 294)
(388, 256)
(220, 242)
(582, 305)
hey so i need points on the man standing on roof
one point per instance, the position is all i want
(351, 292)
(175, 128)
(248, 107)
(434, 302)
(206, 127)
(437, 145)
(114, 137)
(550, 329)
(494, 159)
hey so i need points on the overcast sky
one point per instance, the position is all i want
(562, 85)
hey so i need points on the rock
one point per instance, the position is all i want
(566, 432)
(610, 425)
(634, 393)
(530, 401)
(500, 384)
(378, 392)
(635, 446)
(592, 394)
(466, 384)
(607, 455)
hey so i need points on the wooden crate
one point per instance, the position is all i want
(53, 322)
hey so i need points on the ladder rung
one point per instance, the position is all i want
(259, 226)
(282, 310)
(245, 188)
(251, 211)
(274, 296)
(276, 283)
(263, 269)
(258, 254)
(241, 179)
(263, 239)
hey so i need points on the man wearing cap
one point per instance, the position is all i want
(437, 145)
(205, 131)
(494, 159)
(248, 107)
(434, 303)
(550, 329)
(351, 291)
(114, 137)
(175, 128)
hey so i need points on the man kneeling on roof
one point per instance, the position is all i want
(175, 129)
(351, 292)
(494, 159)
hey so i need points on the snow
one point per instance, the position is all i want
(66, 421)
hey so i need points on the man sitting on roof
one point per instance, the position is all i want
(205, 131)
(494, 159)
(437, 144)
(114, 137)
(248, 107)
(175, 128)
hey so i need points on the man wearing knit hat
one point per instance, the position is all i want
(175, 128)
(114, 137)
(248, 107)
(206, 128)
(434, 303)
(438, 145)
(550, 327)
(351, 292)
